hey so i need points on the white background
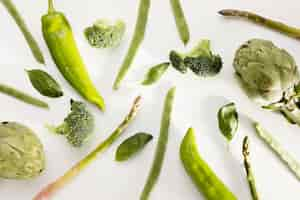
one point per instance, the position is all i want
(197, 101)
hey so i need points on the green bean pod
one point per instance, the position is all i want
(58, 35)
(5, 89)
(32, 43)
(202, 175)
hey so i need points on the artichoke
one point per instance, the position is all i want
(21, 152)
(270, 75)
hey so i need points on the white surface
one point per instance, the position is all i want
(197, 102)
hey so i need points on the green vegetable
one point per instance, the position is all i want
(21, 152)
(44, 83)
(78, 125)
(138, 37)
(202, 175)
(35, 49)
(181, 23)
(248, 168)
(5, 89)
(104, 34)
(161, 146)
(61, 43)
(269, 23)
(270, 76)
(228, 121)
(155, 73)
(200, 60)
(52, 188)
(132, 145)
(292, 164)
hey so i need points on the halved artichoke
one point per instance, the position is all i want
(21, 152)
(270, 76)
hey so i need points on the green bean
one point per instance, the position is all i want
(248, 168)
(138, 37)
(132, 145)
(228, 120)
(22, 96)
(35, 49)
(161, 146)
(155, 73)
(292, 164)
(182, 26)
(202, 175)
(47, 192)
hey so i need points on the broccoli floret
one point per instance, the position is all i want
(78, 125)
(200, 60)
(104, 34)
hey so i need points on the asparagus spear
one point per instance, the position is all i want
(257, 19)
(248, 168)
(35, 49)
(282, 154)
(49, 191)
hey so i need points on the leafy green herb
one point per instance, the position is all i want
(202, 175)
(52, 188)
(282, 154)
(161, 146)
(78, 125)
(228, 121)
(180, 20)
(155, 73)
(138, 37)
(200, 60)
(35, 49)
(248, 168)
(269, 23)
(132, 145)
(104, 34)
(5, 89)
(44, 83)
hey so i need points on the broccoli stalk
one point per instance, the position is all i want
(104, 34)
(200, 60)
(78, 125)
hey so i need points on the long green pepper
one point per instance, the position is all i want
(62, 46)
(202, 175)
(13, 11)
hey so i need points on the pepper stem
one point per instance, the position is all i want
(50, 6)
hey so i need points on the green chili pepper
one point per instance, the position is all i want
(61, 43)
(161, 146)
(44, 83)
(35, 49)
(291, 163)
(138, 37)
(22, 96)
(228, 120)
(181, 23)
(202, 175)
(132, 145)
(155, 73)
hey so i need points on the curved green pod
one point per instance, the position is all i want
(58, 35)
(202, 175)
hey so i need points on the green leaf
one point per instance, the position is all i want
(228, 120)
(132, 145)
(155, 73)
